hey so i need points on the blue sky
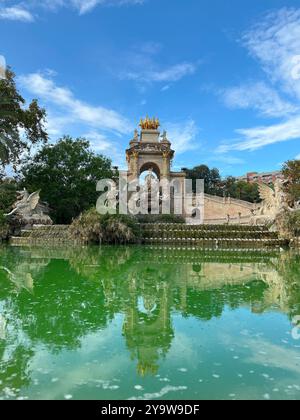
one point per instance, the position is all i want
(223, 77)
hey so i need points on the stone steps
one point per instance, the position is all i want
(43, 235)
(212, 236)
(203, 236)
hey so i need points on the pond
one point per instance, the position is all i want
(148, 323)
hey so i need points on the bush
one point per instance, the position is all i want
(91, 227)
(288, 224)
(4, 227)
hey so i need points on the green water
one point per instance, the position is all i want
(120, 323)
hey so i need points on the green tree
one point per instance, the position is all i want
(241, 190)
(211, 177)
(16, 119)
(67, 174)
(291, 171)
(8, 194)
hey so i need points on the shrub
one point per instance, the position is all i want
(91, 227)
(288, 224)
(4, 227)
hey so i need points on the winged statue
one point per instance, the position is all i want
(26, 203)
(274, 201)
(30, 209)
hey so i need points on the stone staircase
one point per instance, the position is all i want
(211, 236)
(43, 235)
(201, 236)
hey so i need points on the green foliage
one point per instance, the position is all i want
(15, 117)
(291, 171)
(211, 177)
(91, 227)
(4, 228)
(241, 190)
(214, 185)
(67, 174)
(8, 194)
(288, 224)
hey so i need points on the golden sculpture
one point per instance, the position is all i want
(149, 123)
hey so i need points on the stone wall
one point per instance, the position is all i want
(217, 210)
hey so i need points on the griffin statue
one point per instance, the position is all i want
(29, 210)
(274, 202)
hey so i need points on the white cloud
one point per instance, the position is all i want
(17, 13)
(85, 6)
(183, 136)
(260, 97)
(297, 157)
(258, 137)
(99, 142)
(170, 74)
(275, 43)
(230, 160)
(141, 64)
(63, 98)
(22, 11)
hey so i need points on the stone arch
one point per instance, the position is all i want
(146, 166)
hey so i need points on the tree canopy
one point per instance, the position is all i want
(211, 177)
(291, 171)
(8, 194)
(66, 173)
(20, 127)
(215, 185)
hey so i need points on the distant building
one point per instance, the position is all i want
(265, 177)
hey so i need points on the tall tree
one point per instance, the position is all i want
(20, 127)
(67, 174)
(211, 177)
(241, 190)
(291, 171)
(8, 194)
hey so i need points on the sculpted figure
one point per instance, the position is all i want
(273, 202)
(29, 209)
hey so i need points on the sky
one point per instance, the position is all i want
(222, 77)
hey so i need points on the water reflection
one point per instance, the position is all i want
(53, 298)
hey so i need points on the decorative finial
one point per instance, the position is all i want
(149, 123)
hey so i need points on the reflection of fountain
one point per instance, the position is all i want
(148, 335)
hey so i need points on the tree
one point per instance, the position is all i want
(67, 174)
(241, 190)
(291, 171)
(19, 127)
(8, 194)
(211, 177)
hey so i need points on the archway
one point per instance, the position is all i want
(148, 166)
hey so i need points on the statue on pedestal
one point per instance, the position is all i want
(273, 203)
(29, 210)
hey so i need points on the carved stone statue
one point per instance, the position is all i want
(150, 178)
(29, 210)
(273, 203)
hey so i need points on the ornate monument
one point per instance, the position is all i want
(28, 210)
(150, 151)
